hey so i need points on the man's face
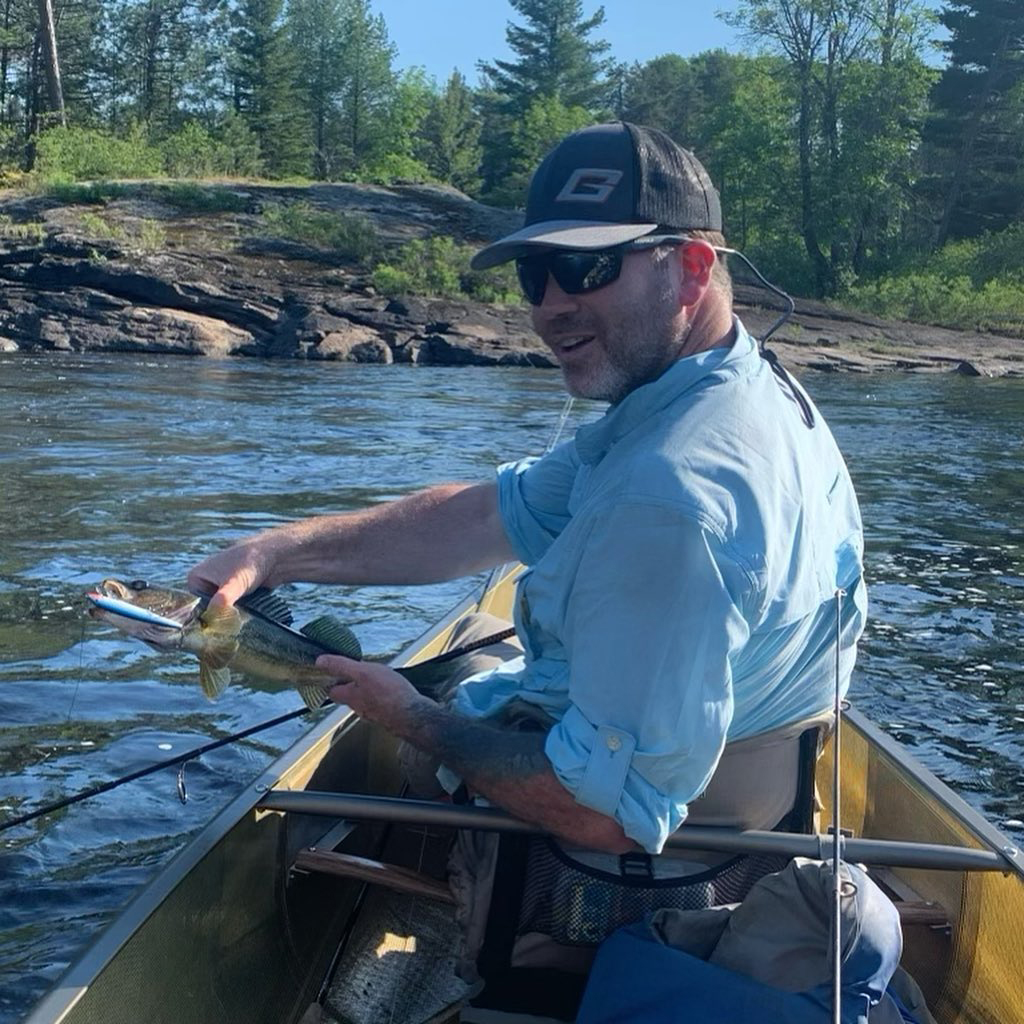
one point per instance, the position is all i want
(610, 341)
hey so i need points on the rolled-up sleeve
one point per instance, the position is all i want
(533, 499)
(654, 616)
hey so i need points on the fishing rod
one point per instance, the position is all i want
(191, 755)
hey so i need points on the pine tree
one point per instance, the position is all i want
(558, 66)
(368, 85)
(556, 60)
(265, 89)
(315, 29)
(977, 129)
(451, 135)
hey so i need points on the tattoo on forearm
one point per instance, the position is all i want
(478, 750)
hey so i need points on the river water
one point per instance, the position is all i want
(139, 465)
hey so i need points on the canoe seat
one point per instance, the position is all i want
(391, 876)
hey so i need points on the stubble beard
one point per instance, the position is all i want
(638, 344)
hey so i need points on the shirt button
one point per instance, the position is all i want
(613, 742)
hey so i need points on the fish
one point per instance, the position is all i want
(254, 637)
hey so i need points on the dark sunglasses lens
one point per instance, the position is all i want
(533, 277)
(575, 272)
(579, 272)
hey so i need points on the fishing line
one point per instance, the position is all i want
(81, 672)
(183, 759)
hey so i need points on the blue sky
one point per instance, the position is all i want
(440, 35)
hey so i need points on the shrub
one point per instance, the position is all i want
(440, 267)
(33, 230)
(929, 297)
(83, 154)
(150, 236)
(204, 199)
(350, 236)
(190, 152)
(395, 167)
(85, 193)
(97, 226)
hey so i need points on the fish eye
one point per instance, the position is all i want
(138, 585)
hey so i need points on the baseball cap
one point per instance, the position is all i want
(609, 184)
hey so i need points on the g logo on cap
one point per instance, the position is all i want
(589, 185)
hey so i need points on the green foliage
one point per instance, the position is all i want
(555, 58)
(194, 151)
(439, 267)
(99, 227)
(150, 236)
(186, 196)
(351, 237)
(85, 154)
(33, 231)
(451, 136)
(396, 167)
(90, 193)
(266, 87)
(974, 283)
(545, 122)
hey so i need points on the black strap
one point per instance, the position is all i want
(806, 412)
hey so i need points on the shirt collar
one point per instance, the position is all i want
(594, 439)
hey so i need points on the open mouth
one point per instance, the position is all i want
(574, 344)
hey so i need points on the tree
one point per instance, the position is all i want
(827, 46)
(663, 93)
(451, 136)
(556, 60)
(977, 125)
(557, 63)
(546, 121)
(48, 35)
(315, 29)
(265, 87)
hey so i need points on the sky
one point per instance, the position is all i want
(441, 35)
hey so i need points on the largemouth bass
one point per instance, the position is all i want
(254, 637)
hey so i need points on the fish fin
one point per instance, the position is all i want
(224, 620)
(313, 696)
(268, 605)
(213, 677)
(334, 635)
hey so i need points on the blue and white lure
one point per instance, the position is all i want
(131, 611)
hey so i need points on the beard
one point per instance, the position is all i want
(632, 343)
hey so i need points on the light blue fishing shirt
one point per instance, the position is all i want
(683, 554)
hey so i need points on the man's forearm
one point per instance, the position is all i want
(438, 534)
(511, 769)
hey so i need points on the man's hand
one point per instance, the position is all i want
(374, 692)
(235, 571)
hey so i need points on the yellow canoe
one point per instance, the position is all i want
(240, 927)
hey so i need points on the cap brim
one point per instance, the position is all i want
(558, 234)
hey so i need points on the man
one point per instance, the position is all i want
(684, 551)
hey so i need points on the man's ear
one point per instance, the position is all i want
(697, 259)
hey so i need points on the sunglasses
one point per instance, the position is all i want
(578, 271)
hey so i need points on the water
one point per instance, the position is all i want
(139, 466)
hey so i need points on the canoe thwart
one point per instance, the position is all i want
(890, 852)
(391, 876)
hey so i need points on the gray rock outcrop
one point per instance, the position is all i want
(138, 273)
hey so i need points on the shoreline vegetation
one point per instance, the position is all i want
(868, 155)
(354, 272)
(862, 160)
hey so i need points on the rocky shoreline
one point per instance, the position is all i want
(79, 276)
